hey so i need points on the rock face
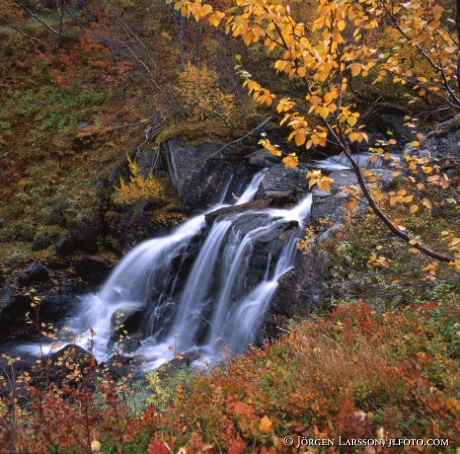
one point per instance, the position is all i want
(19, 318)
(199, 173)
(44, 292)
(305, 288)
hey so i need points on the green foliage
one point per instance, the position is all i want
(165, 389)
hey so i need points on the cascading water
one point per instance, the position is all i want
(206, 304)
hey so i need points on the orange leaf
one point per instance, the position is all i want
(266, 425)
(437, 11)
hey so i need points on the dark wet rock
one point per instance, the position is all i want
(71, 365)
(250, 222)
(127, 320)
(92, 270)
(85, 238)
(151, 162)
(56, 298)
(282, 185)
(35, 272)
(13, 312)
(304, 289)
(58, 263)
(139, 223)
(262, 159)
(43, 241)
(179, 362)
(200, 173)
(332, 203)
(389, 121)
(66, 246)
(442, 143)
(122, 367)
(217, 215)
(307, 286)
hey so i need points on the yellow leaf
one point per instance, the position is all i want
(351, 120)
(415, 143)
(426, 202)
(414, 208)
(266, 425)
(351, 205)
(205, 10)
(408, 199)
(354, 137)
(301, 71)
(291, 161)
(325, 182)
(315, 100)
(373, 178)
(216, 18)
(300, 139)
(324, 112)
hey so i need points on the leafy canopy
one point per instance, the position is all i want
(339, 45)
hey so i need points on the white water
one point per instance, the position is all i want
(217, 305)
(341, 162)
(218, 299)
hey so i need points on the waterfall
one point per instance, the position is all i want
(196, 293)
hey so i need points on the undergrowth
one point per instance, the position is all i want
(357, 373)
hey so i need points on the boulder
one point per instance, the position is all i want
(35, 272)
(200, 174)
(43, 241)
(331, 203)
(12, 312)
(56, 301)
(139, 223)
(71, 365)
(151, 162)
(262, 159)
(390, 121)
(92, 270)
(282, 185)
(66, 246)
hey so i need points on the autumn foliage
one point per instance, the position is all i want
(355, 374)
(323, 56)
